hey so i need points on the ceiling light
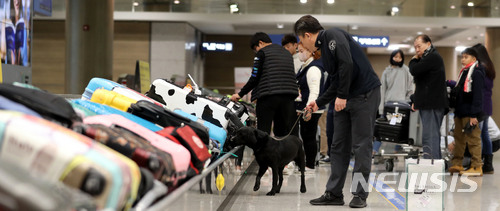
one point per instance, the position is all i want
(460, 48)
(354, 27)
(482, 34)
(469, 38)
(395, 9)
(420, 33)
(452, 7)
(428, 29)
(280, 26)
(233, 8)
(303, 1)
(135, 4)
(177, 2)
(470, 4)
(330, 1)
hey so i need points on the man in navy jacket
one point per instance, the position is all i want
(355, 89)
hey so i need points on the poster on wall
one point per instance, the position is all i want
(15, 32)
(241, 76)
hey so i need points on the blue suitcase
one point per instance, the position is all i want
(104, 109)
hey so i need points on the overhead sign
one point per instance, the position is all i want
(42, 7)
(214, 46)
(372, 41)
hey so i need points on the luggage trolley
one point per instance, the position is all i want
(401, 128)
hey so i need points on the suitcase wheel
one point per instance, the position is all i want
(389, 165)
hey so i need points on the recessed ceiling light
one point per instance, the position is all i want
(460, 48)
(280, 26)
(428, 29)
(177, 2)
(303, 1)
(452, 7)
(354, 27)
(469, 38)
(395, 9)
(330, 1)
(135, 4)
(470, 4)
(419, 33)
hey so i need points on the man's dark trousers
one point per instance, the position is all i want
(353, 132)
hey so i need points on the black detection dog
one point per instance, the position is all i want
(270, 152)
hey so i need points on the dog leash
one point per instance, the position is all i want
(306, 115)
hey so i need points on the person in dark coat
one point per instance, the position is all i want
(431, 97)
(489, 69)
(467, 99)
(355, 90)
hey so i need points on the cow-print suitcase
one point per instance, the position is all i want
(174, 97)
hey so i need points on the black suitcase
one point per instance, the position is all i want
(397, 133)
(402, 109)
(397, 130)
(165, 118)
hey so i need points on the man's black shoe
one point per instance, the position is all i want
(328, 199)
(357, 202)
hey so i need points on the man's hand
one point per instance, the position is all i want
(473, 121)
(340, 104)
(312, 105)
(235, 97)
(413, 107)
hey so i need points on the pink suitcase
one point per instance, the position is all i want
(180, 154)
(53, 152)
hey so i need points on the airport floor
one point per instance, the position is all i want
(238, 192)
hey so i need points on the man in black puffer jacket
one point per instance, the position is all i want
(274, 86)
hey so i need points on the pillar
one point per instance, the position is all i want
(450, 62)
(89, 42)
(492, 43)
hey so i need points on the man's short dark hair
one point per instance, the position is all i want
(259, 36)
(307, 23)
(425, 38)
(288, 38)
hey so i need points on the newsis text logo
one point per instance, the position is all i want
(414, 182)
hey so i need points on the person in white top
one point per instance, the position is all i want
(310, 79)
(289, 42)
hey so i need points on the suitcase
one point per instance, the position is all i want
(399, 110)
(49, 106)
(216, 133)
(81, 110)
(395, 126)
(112, 99)
(9, 105)
(174, 97)
(54, 195)
(187, 137)
(104, 110)
(54, 153)
(97, 83)
(101, 83)
(164, 118)
(168, 174)
(180, 154)
(396, 133)
(116, 141)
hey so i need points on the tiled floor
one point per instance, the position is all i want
(485, 197)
